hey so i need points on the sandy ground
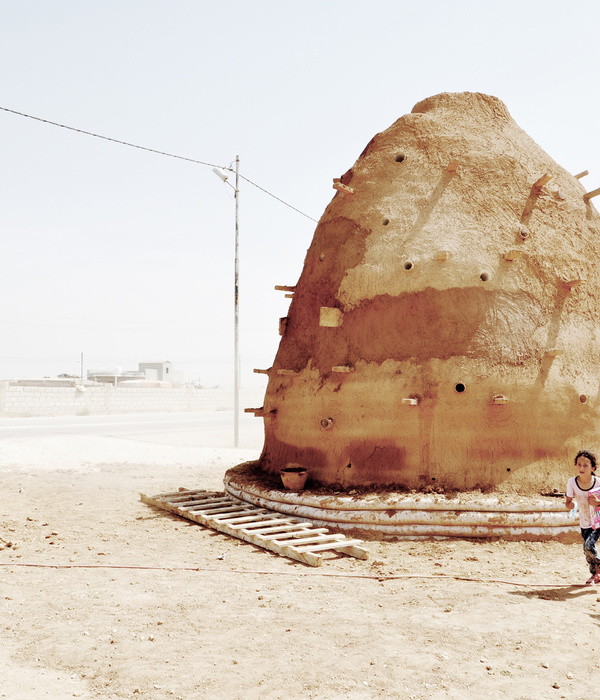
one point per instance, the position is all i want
(102, 596)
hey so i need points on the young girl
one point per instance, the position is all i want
(579, 488)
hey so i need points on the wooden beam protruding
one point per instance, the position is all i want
(342, 369)
(262, 371)
(588, 195)
(452, 166)
(539, 183)
(343, 189)
(579, 282)
(258, 412)
(583, 173)
(285, 288)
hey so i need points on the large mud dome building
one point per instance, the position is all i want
(444, 331)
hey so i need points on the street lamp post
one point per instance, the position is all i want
(236, 312)
(236, 299)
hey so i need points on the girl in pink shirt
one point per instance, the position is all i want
(580, 489)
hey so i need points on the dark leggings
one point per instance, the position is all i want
(590, 537)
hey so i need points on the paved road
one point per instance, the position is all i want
(208, 428)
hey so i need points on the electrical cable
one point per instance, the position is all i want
(108, 138)
(242, 177)
(375, 577)
(154, 150)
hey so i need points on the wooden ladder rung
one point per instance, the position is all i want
(247, 516)
(276, 526)
(185, 494)
(329, 545)
(299, 533)
(210, 511)
(200, 501)
(323, 539)
(267, 523)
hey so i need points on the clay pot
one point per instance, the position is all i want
(293, 477)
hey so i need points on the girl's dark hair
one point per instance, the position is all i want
(590, 455)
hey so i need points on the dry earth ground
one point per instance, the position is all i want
(102, 596)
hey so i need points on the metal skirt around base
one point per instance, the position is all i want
(386, 515)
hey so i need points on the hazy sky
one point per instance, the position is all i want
(127, 256)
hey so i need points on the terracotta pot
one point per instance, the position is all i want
(293, 478)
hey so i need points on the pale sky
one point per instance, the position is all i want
(127, 256)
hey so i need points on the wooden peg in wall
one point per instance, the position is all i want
(588, 195)
(343, 189)
(539, 184)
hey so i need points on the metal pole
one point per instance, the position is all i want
(236, 319)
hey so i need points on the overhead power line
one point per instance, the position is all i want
(154, 150)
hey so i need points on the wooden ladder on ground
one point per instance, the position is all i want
(289, 536)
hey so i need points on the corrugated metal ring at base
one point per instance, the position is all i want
(412, 517)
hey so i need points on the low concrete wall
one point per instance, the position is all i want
(18, 400)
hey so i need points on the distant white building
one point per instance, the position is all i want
(147, 374)
(114, 376)
(160, 371)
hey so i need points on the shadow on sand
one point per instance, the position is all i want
(560, 594)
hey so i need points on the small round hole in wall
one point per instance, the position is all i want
(507, 469)
(484, 276)
(399, 157)
(408, 265)
(460, 387)
(385, 221)
(583, 398)
(524, 232)
(326, 423)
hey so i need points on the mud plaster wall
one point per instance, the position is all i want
(454, 280)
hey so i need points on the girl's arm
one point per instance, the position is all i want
(569, 503)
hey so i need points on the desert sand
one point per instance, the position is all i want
(102, 596)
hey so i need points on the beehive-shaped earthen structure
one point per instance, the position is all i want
(444, 330)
